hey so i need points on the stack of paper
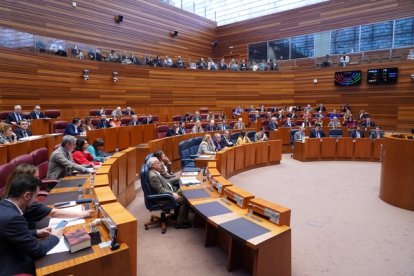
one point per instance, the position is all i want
(189, 180)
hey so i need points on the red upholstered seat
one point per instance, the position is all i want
(162, 131)
(94, 112)
(59, 126)
(203, 109)
(125, 121)
(23, 159)
(52, 113)
(177, 118)
(41, 161)
(5, 171)
(3, 115)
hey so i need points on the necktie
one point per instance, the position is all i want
(318, 135)
(18, 118)
(37, 115)
(24, 133)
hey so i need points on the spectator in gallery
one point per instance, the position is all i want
(168, 61)
(233, 65)
(242, 139)
(344, 60)
(376, 134)
(263, 66)
(357, 132)
(6, 134)
(124, 58)
(36, 113)
(211, 65)
(22, 131)
(197, 127)
(113, 57)
(273, 66)
(222, 65)
(201, 64)
(327, 62)
(243, 65)
(15, 116)
(133, 121)
(179, 63)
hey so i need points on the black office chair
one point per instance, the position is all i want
(187, 159)
(156, 202)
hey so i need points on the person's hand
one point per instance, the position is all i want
(90, 170)
(87, 213)
(166, 160)
(57, 232)
(45, 232)
(177, 197)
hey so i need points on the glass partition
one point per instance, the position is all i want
(345, 40)
(258, 52)
(404, 32)
(376, 36)
(13, 39)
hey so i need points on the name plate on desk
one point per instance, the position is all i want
(219, 183)
(212, 172)
(275, 213)
(238, 195)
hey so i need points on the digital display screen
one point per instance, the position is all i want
(348, 78)
(382, 76)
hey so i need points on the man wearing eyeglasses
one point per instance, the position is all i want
(22, 131)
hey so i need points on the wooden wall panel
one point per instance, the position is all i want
(56, 82)
(145, 30)
(310, 19)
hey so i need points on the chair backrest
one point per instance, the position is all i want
(26, 115)
(41, 161)
(251, 134)
(155, 118)
(184, 152)
(23, 159)
(195, 144)
(125, 121)
(335, 133)
(145, 185)
(234, 137)
(95, 122)
(232, 123)
(188, 127)
(52, 113)
(3, 115)
(94, 112)
(59, 126)
(203, 110)
(177, 118)
(162, 131)
(108, 112)
(203, 116)
(5, 171)
(141, 119)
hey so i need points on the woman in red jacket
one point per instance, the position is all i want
(81, 156)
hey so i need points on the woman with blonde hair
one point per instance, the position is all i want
(243, 139)
(7, 135)
(206, 146)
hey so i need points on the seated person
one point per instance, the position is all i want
(96, 150)
(376, 134)
(148, 120)
(317, 132)
(260, 136)
(117, 111)
(6, 134)
(344, 60)
(133, 121)
(197, 127)
(327, 62)
(20, 245)
(114, 122)
(300, 134)
(273, 125)
(348, 119)
(243, 139)
(81, 156)
(318, 122)
(362, 115)
(206, 146)
(255, 116)
(368, 123)
(223, 125)
(160, 185)
(218, 142)
(61, 161)
(181, 128)
(357, 132)
(201, 64)
(23, 130)
(196, 117)
(239, 125)
(172, 131)
(211, 126)
(289, 123)
(186, 117)
(87, 124)
(128, 111)
(165, 168)
(238, 111)
(36, 113)
(179, 62)
(74, 128)
(334, 114)
(334, 123)
(14, 117)
(103, 123)
(226, 140)
(306, 123)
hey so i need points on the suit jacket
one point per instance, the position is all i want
(211, 128)
(226, 142)
(11, 117)
(292, 124)
(181, 131)
(33, 115)
(272, 125)
(159, 184)
(61, 164)
(313, 134)
(20, 135)
(219, 145)
(222, 127)
(371, 124)
(373, 135)
(103, 124)
(18, 244)
(145, 121)
(353, 134)
(73, 130)
(171, 132)
(131, 123)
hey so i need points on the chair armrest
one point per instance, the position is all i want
(192, 156)
(49, 184)
(165, 196)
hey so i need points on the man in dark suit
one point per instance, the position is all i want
(16, 116)
(218, 142)
(317, 133)
(376, 134)
(226, 140)
(196, 117)
(128, 111)
(148, 120)
(36, 113)
(357, 132)
(23, 130)
(289, 123)
(172, 131)
(74, 128)
(223, 125)
(181, 128)
(368, 123)
(19, 245)
(211, 126)
(272, 124)
(320, 108)
(103, 123)
(134, 120)
(160, 185)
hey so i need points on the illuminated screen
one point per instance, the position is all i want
(382, 76)
(348, 78)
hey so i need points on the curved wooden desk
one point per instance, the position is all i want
(397, 174)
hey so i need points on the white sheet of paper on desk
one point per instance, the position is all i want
(189, 180)
(204, 156)
(76, 209)
(60, 247)
(189, 173)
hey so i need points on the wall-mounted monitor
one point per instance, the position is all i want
(382, 76)
(348, 78)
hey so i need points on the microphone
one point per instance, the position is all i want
(114, 244)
